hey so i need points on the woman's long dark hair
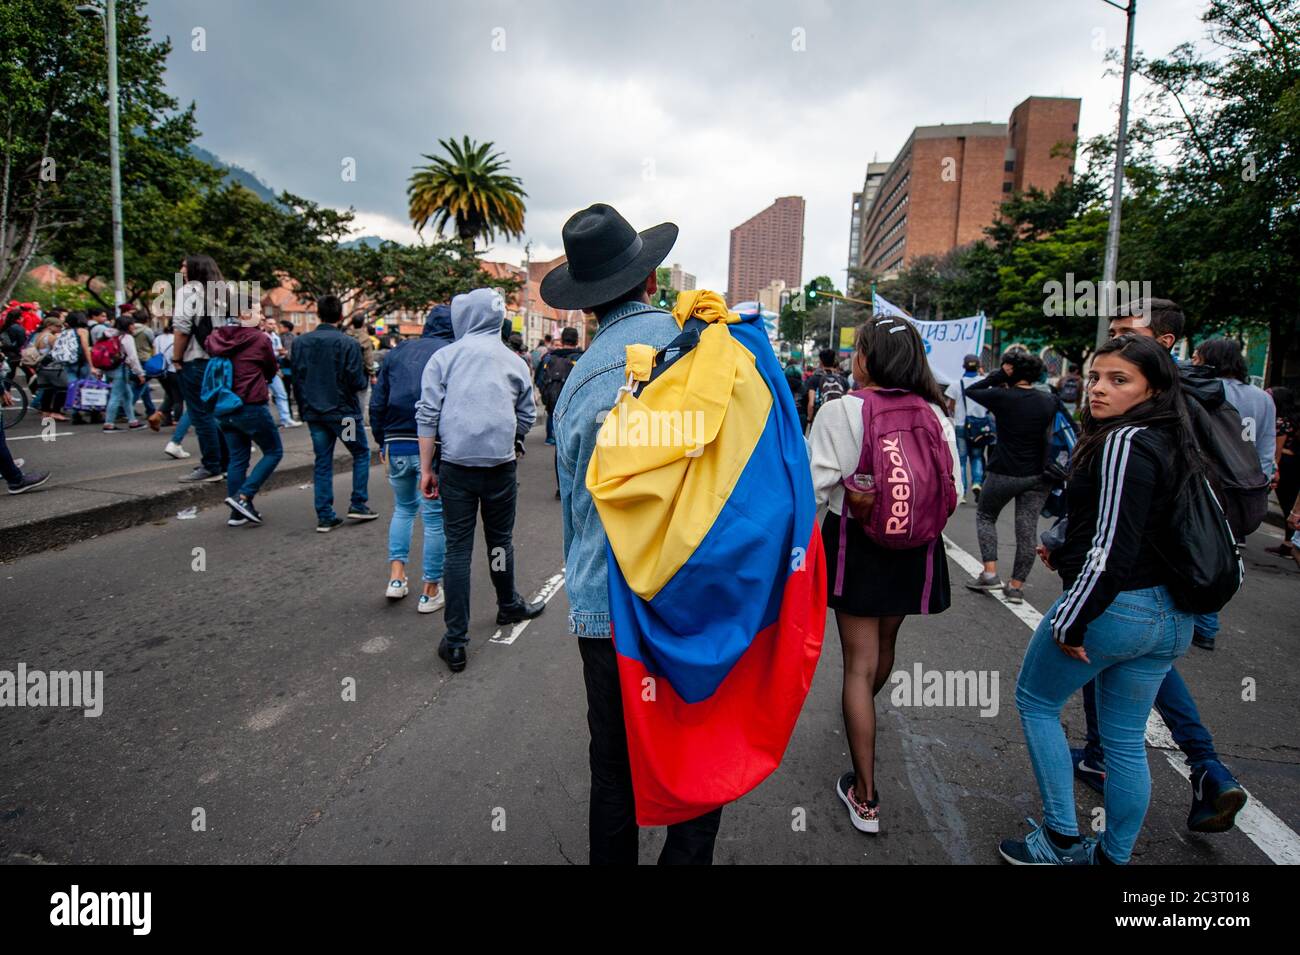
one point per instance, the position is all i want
(203, 269)
(894, 354)
(1166, 408)
(1285, 401)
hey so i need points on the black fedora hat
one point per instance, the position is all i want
(606, 257)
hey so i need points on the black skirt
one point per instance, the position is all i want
(880, 582)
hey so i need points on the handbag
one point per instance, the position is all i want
(979, 429)
(52, 374)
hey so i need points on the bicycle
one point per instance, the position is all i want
(13, 401)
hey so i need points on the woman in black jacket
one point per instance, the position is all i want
(1015, 468)
(1116, 623)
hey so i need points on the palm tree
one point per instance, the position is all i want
(470, 186)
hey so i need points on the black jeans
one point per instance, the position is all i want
(613, 828)
(465, 491)
(173, 405)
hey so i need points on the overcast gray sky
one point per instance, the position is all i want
(698, 112)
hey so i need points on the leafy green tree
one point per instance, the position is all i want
(394, 277)
(54, 182)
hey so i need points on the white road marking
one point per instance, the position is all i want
(1274, 837)
(547, 591)
(50, 437)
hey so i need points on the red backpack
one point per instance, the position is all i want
(107, 353)
(910, 467)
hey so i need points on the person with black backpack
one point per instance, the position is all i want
(553, 372)
(1228, 461)
(1135, 477)
(826, 384)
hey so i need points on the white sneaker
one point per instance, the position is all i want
(397, 589)
(292, 423)
(432, 604)
(176, 451)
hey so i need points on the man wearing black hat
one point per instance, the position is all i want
(610, 273)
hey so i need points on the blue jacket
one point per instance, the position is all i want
(589, 393)
(328, 375)
(397, 388)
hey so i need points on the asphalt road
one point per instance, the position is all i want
(224, 692)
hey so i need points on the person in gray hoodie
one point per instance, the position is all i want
(476, 405)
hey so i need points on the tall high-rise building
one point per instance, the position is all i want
(682, 281)
(947, 182)
(861, 206)
(766, 246)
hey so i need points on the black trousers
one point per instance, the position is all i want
(464, 492)
(613, 828)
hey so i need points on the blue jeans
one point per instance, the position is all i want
(281, 399)
(404, 476)
(215, 456)
(972, 461)
(120, 398)
(1132, 647)
(142, 392)
(1176, 707)
(323, 436)
(1207, 625)
(250, 425)
(182, 427)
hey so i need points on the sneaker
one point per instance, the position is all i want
(292, 423)
(325, 526)
(397, 588)
(174, 450)
(200, 475)
(109, 427)
(1205, 643)
(432, 604)
(29, 482)
(454, 657)
(985, 582)
(134, 425)
(975, 489)
(1038, 849)
(551, 442)
(236, 519)
(1013, 595)
(519, 612)
(1094, 777)
(865, 816)
(1217, 797)
(361, 513)
(244, 507)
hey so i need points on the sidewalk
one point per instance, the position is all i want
(102, 482)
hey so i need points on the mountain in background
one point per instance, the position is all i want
(251, 182)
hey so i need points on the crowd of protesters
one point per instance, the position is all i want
(449, 412)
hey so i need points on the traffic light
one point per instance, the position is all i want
(810, 292)
(663, 299)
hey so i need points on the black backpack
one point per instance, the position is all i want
(555, 372)
(1230, 457)
(1203, 558)
(830, 389)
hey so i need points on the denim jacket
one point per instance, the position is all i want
(589, 393)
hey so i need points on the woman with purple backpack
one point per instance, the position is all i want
(887, 477)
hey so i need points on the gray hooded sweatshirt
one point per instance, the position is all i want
(475, 394)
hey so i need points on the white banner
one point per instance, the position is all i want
(946, 342)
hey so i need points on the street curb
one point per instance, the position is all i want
(49, 533)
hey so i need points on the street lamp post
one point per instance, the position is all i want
(109, 13)
(1117, 186)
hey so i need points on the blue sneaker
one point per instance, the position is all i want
(1038, 849)
(1217, 797)
(1093, 776)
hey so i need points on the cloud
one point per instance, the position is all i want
(700, 113)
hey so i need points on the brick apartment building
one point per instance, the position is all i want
(537, 318)
(766, 246)
(947, 182)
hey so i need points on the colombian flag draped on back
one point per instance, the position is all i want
(717, 583)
